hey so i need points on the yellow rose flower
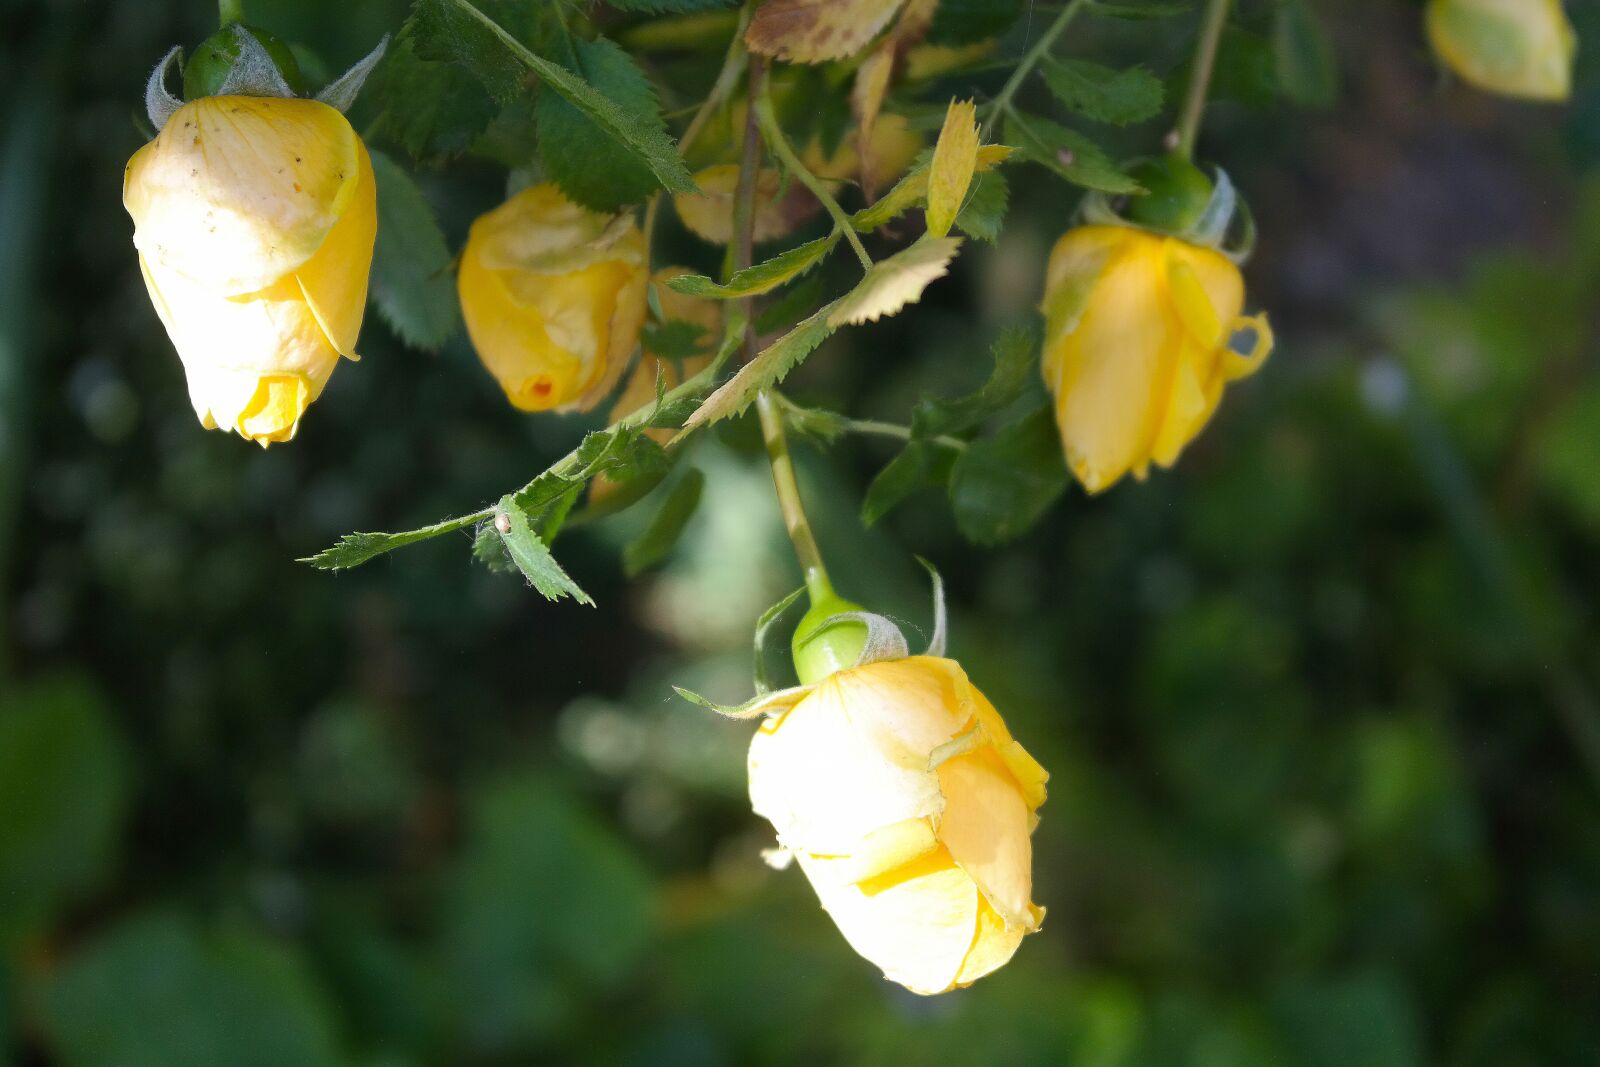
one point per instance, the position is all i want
(910, 808)
(1136, 349)
(553, 296)
(1520, 48)
(254, 218)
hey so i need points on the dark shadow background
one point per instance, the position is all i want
(1319, 706)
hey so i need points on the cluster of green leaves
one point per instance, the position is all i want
(998, 484)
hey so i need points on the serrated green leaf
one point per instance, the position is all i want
(411, 281)
(594, 170)
(1118, 97)
(532, 556)
(985, 210)
(354, 549)
(489, 550)
(431, 109)
(1307, 67)
(1014, 369)
(761, 278)
(1067, 152)
(893, 283)
(768, 368)
(1001, 485)
(474, 38)
(920, 465)
(655, 542)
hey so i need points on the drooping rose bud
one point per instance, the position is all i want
(1137, 348)
(255, 218)
(910, 808)
(1521, 48)
(553, 296)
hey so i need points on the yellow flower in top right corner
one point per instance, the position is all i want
(1520, 48)
(1138, 346)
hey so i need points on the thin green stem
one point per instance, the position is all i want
(871, 427)
(794, 512)
(875, 428)
(733, 65)
(759, 121)
(780, 146)
(1205, 57)
(1030, 59)
(230, 11)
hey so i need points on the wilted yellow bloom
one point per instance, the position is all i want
(909, 806)
(553, 296)
(891, 150)
(1136, 347)
(255, 219)
(1515, 47)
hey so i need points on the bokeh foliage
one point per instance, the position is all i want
(1318, 705)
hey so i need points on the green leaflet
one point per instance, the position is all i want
(411, 280)
(594, 170)
(656, 541)
(1070, 154)
(1000, 485)
(985, 210)
(925, 462)
(489, 51)
(532, 556)
(1013, 372)
(354, 549)
(1118, 97)
(893, 283)
(768, 368)
(761, 278)
(432, 109)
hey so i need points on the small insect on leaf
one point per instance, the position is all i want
(897, 281)
(815, 31)
(955, 158)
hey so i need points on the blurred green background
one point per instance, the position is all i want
(1319, 705)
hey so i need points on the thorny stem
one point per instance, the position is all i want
(1002, 101)
(781, 148)
(756, 123)
(1205, 57)
(230, 11)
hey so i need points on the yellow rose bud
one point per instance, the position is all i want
(1136, 348)
(254, 218)
(1519, 48)
(909, 807)
(553, 296)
